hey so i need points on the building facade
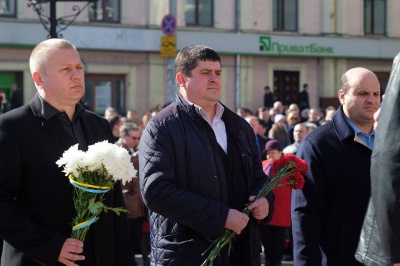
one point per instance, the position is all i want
(127, 46)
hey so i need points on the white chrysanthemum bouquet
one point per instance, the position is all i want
(93, 173)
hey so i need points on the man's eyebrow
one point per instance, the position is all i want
(210, 69)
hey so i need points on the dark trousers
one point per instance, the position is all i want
(273, 239)
(138, 238)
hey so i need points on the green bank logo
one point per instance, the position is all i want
(267, 45)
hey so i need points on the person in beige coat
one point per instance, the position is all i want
(137, 216)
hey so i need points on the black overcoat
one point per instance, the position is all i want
(36, 198)
(327, 214)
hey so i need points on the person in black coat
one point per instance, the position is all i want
(304, 101)
(199, 167)
(16, 98)
(268, 97)
(36, 199)
(327, 214)
(380, 237)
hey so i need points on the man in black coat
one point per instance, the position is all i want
(36, 202)
(199, 167)
(268, 97)
(380, 238)
(304, 101)
(327, 214)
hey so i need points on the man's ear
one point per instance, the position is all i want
(341, 95)
(37, 77)
(180, 79)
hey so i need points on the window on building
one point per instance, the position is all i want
(7, 8)
(374, 16)
(285, 15)
(104, 91)
(199, 12)
(105, 11)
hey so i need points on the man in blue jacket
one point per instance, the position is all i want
(328, 213)
(199, 167)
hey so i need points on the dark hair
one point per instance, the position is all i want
(126, 128)
(344, 82)
(188, 58)
(262, 123)
(113, 120)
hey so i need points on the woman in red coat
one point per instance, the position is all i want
(273, 235)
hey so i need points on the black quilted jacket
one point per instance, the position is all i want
(180, 186)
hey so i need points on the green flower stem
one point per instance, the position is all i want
(228, 235)
(88, 205)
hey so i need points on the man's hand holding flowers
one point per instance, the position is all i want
(288, 171)
(260, 208)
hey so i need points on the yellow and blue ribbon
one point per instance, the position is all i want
(88, 187)
(84, 224)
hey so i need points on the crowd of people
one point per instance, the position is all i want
(199, 164)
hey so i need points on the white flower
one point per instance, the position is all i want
(71, 159)
(116, 161)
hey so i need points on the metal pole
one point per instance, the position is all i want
(171, 86)
(53, 19)
(237, 59)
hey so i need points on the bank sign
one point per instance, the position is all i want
(292, 45)
(267, 44)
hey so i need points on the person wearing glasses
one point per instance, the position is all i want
(129, 134)
(129, 139)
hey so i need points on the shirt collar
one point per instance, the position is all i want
(48, 111)
(355, 128)
(361, 137)
(218, 112)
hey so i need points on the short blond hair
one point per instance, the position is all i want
(41, 53)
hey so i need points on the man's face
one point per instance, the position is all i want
(254, 125)
(362, 99)
(62, 82)
(313, 115)
(264, 115)
(204, 86)
(299, 132)
(132, 139)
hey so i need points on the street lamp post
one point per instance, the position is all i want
(50, 23)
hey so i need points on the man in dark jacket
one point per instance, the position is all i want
(380, 238)
(199, 167)
(36, 199)
(328, 213)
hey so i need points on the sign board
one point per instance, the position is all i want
(168, 46)
(292, 46)
(168, 25)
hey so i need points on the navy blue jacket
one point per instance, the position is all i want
(182, 187)
(328, 213)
